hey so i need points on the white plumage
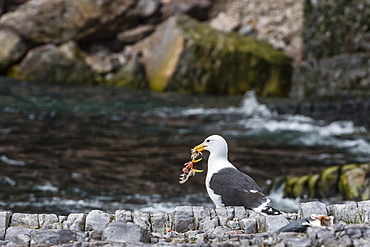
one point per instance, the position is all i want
(226, 185)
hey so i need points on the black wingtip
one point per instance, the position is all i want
(271, 211)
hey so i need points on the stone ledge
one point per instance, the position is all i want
(185, 225)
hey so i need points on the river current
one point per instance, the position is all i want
(73, 149)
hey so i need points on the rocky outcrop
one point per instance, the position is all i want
(350, 182)
(13, 48)
(59, 21)
(62, 64)
(336, 49)
(203, 60)
(187, 225)
(185, 55)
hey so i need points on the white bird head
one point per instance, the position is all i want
(215, 144)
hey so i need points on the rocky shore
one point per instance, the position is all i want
(187, 225)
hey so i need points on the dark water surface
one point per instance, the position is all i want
(72, 149)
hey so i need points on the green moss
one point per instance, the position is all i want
(216, 62)
(352, 181)
(312, 184)
(13, 72)
(328, 181)
(300, 186)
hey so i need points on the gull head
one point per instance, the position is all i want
(215, 144)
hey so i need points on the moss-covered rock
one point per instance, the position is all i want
(130, 75)
(12, 48)
(351, 182)
(185, 55)
(62, 64)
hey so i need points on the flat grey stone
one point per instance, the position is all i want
(183, 218)
(123, 216)
(347, 213)
(271, 223)
(308, 208)
(48, 221)
(248, 225)
(18, 234)
(75, 222)
(125, 232)
(97, 220)
(26, 220)
(54, 237)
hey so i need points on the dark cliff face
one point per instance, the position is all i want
(336, 49)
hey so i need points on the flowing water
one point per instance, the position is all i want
(73, 149)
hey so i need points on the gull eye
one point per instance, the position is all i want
(208, 140)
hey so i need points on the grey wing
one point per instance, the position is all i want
(237, 189)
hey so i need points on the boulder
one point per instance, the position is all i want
(308, 208)
(188, 56)
(183, 219)
(125, 232)
(97, 220)
(59, 21)
(271, 223)
(18, 234)
(131, 74)
(49, 63)
(12, 48)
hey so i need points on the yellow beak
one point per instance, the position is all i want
(199, 148)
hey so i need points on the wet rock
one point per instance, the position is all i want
(185, 55)
(4, 223)
(97, 220)
(75, 222)
(353, 183)
(198, 9)
(55, 64)
(25, 220)
(308, 208)
(55, 237)
(12, 48)
(125, 232)
(348, 181)
(48, 221)
(131, 74)
(18, 234)
(271, 223)
(183, 218)
(59, 21)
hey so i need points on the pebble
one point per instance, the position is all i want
(186, 225)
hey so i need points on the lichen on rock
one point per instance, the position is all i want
(188, 56)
